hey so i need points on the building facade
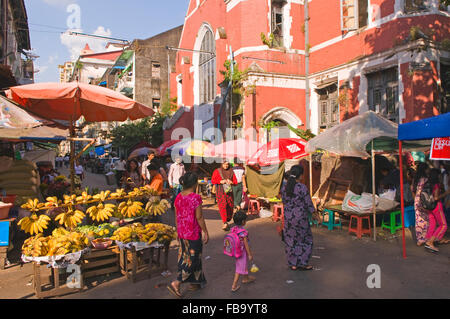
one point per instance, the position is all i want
(15, 43)
(390, 56)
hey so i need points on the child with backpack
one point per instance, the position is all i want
(236, 245)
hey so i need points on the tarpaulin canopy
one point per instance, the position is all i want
(436, 126)
(264, 185)
(351, 137)
(17, 124)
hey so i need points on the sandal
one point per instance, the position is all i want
(444, 241)
(304, 268)
(174, 291)
(431, 248)
(235, 288)
(250, 280)
(194, 287)
(293, 268)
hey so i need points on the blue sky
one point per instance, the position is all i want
(132, 19)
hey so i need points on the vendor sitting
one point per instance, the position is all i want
(156, 180)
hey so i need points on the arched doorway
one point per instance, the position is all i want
(276, 122)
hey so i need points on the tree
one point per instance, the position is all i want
(149, 129)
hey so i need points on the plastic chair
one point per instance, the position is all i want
(395, 221)
(278, 211)
(331, 224)
(359, 230)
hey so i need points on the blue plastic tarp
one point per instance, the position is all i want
(436, 126)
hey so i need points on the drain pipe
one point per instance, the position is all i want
(224, 101)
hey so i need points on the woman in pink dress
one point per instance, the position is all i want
(190, 226)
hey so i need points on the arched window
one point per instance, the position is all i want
(207, 69)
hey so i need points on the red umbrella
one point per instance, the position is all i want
(162, 149)
(279, 150)
(70, 101)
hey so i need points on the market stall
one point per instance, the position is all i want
(363, 136)
(97, 234)
(422, 130)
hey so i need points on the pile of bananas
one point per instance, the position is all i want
(148, 233)
(71, 217)
(84, 198)
(130, 208)
(157, 206)
(119, 194)
(61, 242)
(34, 224)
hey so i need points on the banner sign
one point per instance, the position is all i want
(440, 149)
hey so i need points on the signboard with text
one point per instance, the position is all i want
(440, 149)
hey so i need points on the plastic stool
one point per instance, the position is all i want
(393, 224)
(331, 220)
(278, 211)
(311, 221)
(359, 230)
(253, 206)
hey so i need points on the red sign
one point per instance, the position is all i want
(440, 148)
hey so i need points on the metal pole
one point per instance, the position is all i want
(374, 209)
(310, 176)
(307, 124)
(231, 95)
(402, 204)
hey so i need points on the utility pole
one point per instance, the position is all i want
(307, 124)
(231, 91)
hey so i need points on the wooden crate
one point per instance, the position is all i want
(146, 261)
(100, 262)
(45, 287)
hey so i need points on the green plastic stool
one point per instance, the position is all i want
(331, 220)
(393, 224)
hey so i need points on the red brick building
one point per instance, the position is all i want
(390, 56)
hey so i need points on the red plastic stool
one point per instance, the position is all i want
(359, 230)
(253, 207)
(278, 211)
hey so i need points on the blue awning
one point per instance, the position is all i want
(436, 126)
(119, 67)
(102, 83)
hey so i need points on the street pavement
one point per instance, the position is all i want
(341, 267)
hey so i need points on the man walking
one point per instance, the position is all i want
(176, 170)
(146, 176)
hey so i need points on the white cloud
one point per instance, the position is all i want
(52, 59)
(75, 43)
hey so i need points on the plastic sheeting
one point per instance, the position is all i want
(351, 137)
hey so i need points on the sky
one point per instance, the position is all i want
(128, 20)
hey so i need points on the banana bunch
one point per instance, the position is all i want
(157, 207)
(101, 212)
(35, 246)
(34, 224)
(149, 191)
(130, 208)
(70, 200)
(118, 194)
(84, 198)
(52, 202)
(33, 205)
(70, 218)
(137, 192)
(103, 196)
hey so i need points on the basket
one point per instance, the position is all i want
(4, 210)
(101, 243)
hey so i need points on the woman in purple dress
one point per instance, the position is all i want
(297, 233)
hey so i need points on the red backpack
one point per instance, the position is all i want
(232, 243)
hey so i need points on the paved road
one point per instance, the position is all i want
(341, 261)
